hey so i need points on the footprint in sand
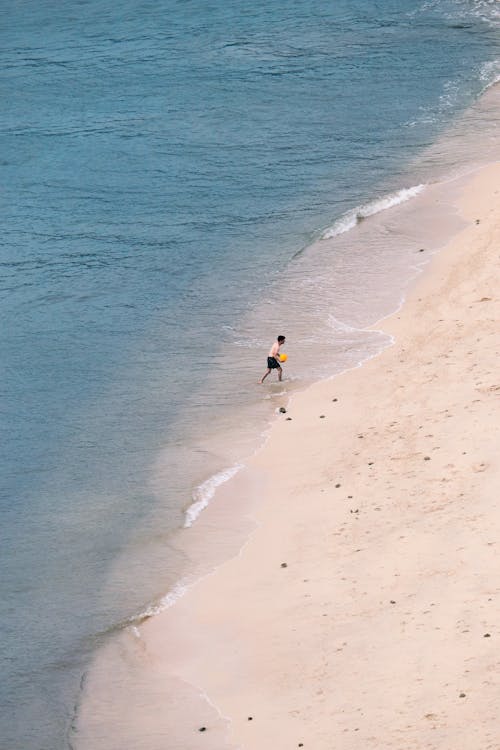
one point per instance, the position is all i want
(489, 388)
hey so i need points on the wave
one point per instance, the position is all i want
(490, 73)
(340, 327)
(352, 218)
(461, 12)
(205, 492)
(202, 496)
(164, 603)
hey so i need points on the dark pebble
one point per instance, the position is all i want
(321, 416)
(486, 635)
(421, 250)
(427, 458)
(334, 399)
(477, 221)
(288, 419)
(202, 729)
(370, 463)
(337, 485)
(282, 410)
(392, 601)
(284, 565)
(301, 744)
(250, 718)
(462, 695)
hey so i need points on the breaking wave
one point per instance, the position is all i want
(352, 218)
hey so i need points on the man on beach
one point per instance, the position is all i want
(273, 362)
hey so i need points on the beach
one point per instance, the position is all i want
(179, 189)
(363, 606)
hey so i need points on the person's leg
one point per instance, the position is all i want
(265, 376)
(280, 373)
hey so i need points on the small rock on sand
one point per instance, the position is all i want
(282, 410)
(284, 565)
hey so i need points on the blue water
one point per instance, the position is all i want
(161, 165)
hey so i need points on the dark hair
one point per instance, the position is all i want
(281, 339)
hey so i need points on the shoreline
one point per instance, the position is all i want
(169, 638)
(250, 566)
(395, 199)
(232, 460)
(204, 493)
(167, 178)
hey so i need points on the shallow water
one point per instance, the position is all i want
(167, 175)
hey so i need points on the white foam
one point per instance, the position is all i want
(341, 327)
(205, 492)
(165, 602)
(490, 73)
(350, 219)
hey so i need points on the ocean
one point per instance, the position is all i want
(182, 182)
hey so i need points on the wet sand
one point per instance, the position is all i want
(364, 607)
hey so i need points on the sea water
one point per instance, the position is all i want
(168, 173)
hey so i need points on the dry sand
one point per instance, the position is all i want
(364, 609)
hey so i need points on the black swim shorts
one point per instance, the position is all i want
(272, 363)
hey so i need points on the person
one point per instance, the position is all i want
(273, 362)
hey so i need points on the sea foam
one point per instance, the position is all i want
(350, 219)
(205, 492)
(164, 603)
(490, 73)
(201, 496)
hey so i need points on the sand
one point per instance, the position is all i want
(363, 610)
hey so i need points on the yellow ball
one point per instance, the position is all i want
(283, 357)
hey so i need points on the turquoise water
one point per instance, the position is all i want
(162, 166)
